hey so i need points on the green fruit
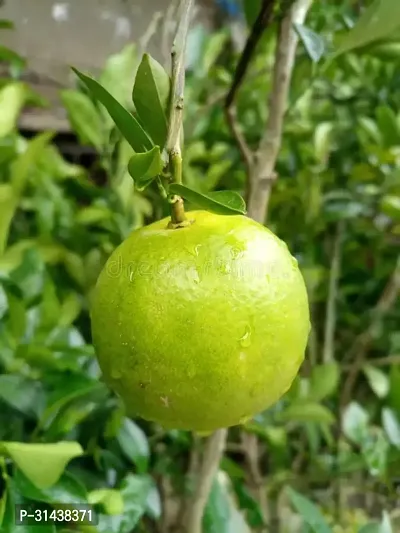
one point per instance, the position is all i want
(200, 327)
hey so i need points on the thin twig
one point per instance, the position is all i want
(263, 174)
(361, 345)
(251, 448)
(379, 361)
(330, 319)
(213, 451)
(168, 26)
(257, 31)
(173, 144)
(178, 78)
(151, 30)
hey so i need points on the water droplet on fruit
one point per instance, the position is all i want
(295, 263)
(197, 249)
(242, 356)
(245, 340)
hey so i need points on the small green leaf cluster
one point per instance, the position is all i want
(146, 131)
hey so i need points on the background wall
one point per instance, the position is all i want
(53, 34)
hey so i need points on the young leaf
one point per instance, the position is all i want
(324, 381)
(378, 21)
(219, 202)
(310, 513)
(355, 422)
(388, 126)
(151, 95)
(119, 72)
(84, 117)
(12, 99)
(42, 464)
(307, 412)
(134, 444)
(391, 425)
(378, 380)
(8, 55)
(125, 122)
(313, 43)
(145, 167)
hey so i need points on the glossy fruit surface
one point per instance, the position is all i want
(200, 327)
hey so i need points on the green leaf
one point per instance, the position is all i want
(12, 99)
(66, 490)
(153, 503)
(251, 10)
(84, 118)
(221, 513)
(151, 97)
(377, 22)
(372, 527)
(134, 444)
(394, 393)
(28, 160)
(375, 450)
(77, 388)
(313, 43)
(386, 525)
(310, 513)
(135, 491)
(390, 206)
(214, 45)
(110, 499)
(21, 393)
(307, 412)
(42, 464)
(391, 425)
(355, 422)
(8, 201)
(378, 380)
(93, 214)
(388, 127)
(220, 202)
(323, 141)
(13, 497)
(324, 381)
(125, 122)
(145, 167)
(119, 73)
(9, 56)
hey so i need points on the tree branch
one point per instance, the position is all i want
(330, 319)
(173, 144)
(257, 31)
(213, 452)
(263, 173)
(359, 350)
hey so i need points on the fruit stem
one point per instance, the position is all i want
(178, 217)
(173, 144)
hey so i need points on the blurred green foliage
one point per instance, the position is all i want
(332, 439)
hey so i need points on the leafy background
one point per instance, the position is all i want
(325, 458)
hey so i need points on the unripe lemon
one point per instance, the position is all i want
(200, 327)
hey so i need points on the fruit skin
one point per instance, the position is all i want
(200, 327)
